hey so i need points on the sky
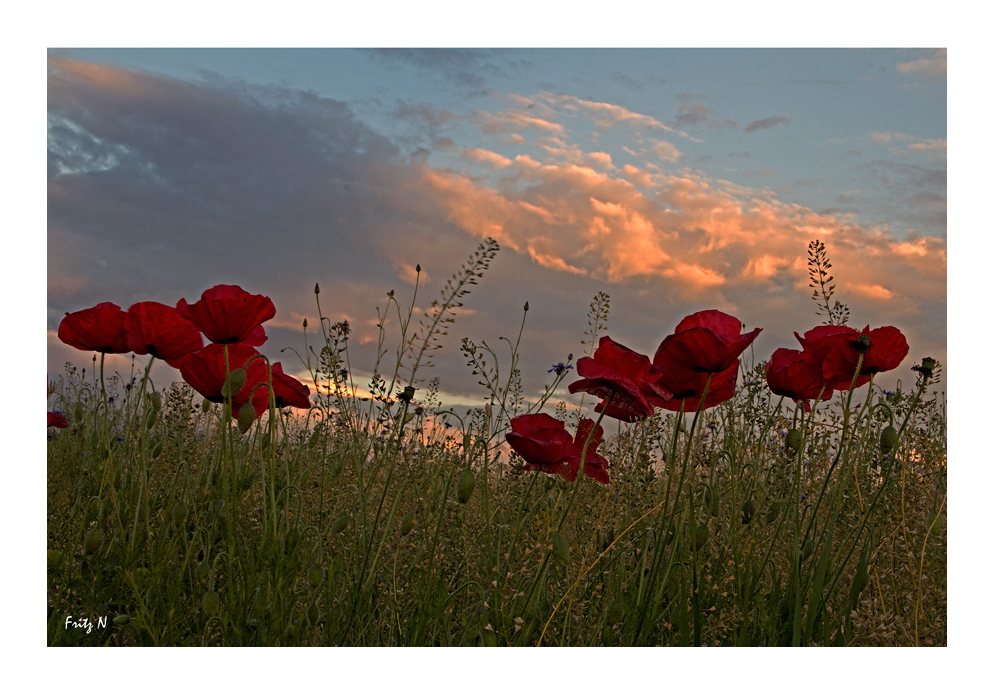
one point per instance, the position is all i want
(673, 180)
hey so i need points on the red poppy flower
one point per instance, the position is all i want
(705, 342)
(227, 314)
(57, 420)
(883, 349)
(546, 446)
(819, 341)
(689, 386)
(159, 330)
(624, 375)
(97, 329)
(204, 370)
(789, 374)
(288, 391)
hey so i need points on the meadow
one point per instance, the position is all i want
(698, 496)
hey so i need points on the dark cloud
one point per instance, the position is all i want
(766, 124)
(696, 113)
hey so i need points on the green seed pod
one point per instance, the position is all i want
(122, 620)
(313, 613)
(489, 638)
(772, 512)
(340, 524)
(807, 550)
(292, 537)
(206, 406)
(180, 512)
(156, 449)
(560, 549)
(549, 482)
(315, 576)
(464, 487)
(748, 511)
(77, 413)
(888, 440)
(615, 612)
(467, 442)
(150, 418)
(211, 602)
(793, 441)
(407, 523)
(93, 541)
(155, 400)
(203, 572)
(246, 417)
(234, 383)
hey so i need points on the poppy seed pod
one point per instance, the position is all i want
(156, 449)
(155, 399)
(315, 575)
(77, 413)
(313, 613)
(772, 512)
(122, 620)
(465, 485)
(748, 511)
(234, 382)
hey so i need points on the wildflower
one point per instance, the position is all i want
(704, 342)
(227, 314)
(204, 370)
(57, 420)
(883, 349)
(544, 443)
(707, 342)
(159, 330)
(559, 368)
(623, 375)
(97, 329)
(288, 391)
(788, 374)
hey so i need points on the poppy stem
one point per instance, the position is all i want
(583, 457)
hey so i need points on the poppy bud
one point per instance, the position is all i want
(407, 523)
(467, 441)
(807, 550)
(417, 268)
(77, 413)
(772, 512)
(246, 416)
(233, 383)
(150, 418)
(560, 549)
(340, 524)
(701, 535)
(313, 613)
(122, 620)
(206, 406)
(783, 609)
(317, 289)
(211, 602)
(305, 324)
(748, 511)
(408, 394)
(315, 576)
(548, 483)
(180, 512)
(526, 305)
(156, 400)
(464, 487)
(156, 450)
(54, 557)
(93, 541)
(888, 440)
(203, 572)
(793, 440)
(615, 612)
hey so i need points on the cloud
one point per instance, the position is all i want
(159, 188)
(696, 113)
(766, 123)
(933, 67)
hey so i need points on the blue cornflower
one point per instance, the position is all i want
(559, 368)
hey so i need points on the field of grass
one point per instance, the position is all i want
(393, 521)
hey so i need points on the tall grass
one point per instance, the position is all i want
(393, 521)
